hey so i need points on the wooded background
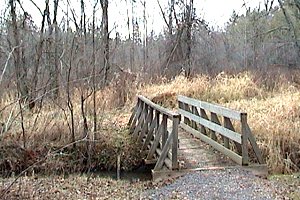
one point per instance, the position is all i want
(56, 76)
(49, 58)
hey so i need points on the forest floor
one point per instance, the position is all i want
(214, 184)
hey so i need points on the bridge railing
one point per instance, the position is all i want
(157, 129)
(217, 126)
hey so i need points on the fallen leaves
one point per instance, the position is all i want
(73, 187)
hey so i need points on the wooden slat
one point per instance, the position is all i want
(182, 106)
(211, 107)
(158, 151)
(150, 162)
(228, 124)
(162, 160)
(186, 107)
(137, 116)
(144, 114)
(153, 124)
(168, 163)
(204, 116)
(138, 128)
(164, 153)
(244, 140)
(235, 157)
(161, 109)
(146, 125)
(195, 112)
(164, 129)
(215, 127)
(254, 146)
(134, 110)
(214, 118)
(155, 142)
(174, 132)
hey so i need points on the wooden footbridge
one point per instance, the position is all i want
(198, 136)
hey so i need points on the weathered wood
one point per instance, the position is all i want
(212, 126)
(158, 151)
(151, 117)
(164, 129)
(153, 125)
(150, 161)
(155, 142)
(174, 132)
(154, 134)
(144, 116)
(164, 153)
(254, 146)
(186, 108)
(132, 115)
(204, 116)
(245, 155)
(214, 118)
(211, 107)
(167, 161)
(182, 106)
(138, 128)
(215, 126)
(146, 124)
(235, 157)
(161, 109)
(137, 116)
(195, 112)
(228, 124)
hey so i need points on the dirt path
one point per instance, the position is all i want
(233, 184)
(214, 184)
(224, 180)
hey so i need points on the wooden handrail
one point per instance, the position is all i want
(220, 110)
(159, 108)
(197, 122)
(149, 125)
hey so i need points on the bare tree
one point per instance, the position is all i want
(94, 73)
(145, 39)
(189, 23)
(20, 70)
(291, 24)
(105, 38)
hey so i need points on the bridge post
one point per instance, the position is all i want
(164, 129)
(245, 156)
(176, 120)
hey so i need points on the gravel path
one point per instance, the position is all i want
(233, 184)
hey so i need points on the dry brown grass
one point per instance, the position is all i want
(273, 114)
(48, 129)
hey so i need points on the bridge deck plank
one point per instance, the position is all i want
(193, 153)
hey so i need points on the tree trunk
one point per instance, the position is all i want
(56, 59)
(189, 23)
(19, 70)
(105, 38)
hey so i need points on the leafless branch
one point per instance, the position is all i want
(7, 61)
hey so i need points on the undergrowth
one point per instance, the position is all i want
(273, 112)
(272, 104)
